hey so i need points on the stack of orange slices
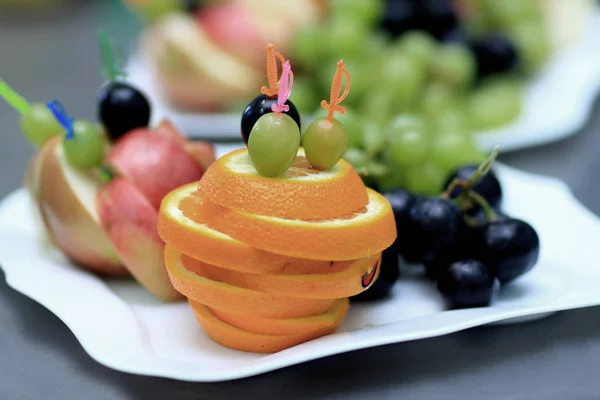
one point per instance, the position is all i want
(269, 263)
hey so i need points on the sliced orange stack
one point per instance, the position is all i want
(268, 263)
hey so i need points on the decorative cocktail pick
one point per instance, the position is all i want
(326, 139)
(272, 71)
(336, 87)
(62, 117)
(274, 98)
(285, 89)
(38, 123)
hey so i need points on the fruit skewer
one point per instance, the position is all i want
(98, 189)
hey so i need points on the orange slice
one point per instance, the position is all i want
(234, 299)
(348, 237)
(302, 193)
(237, 339)
(180, 224)
(287, 326)
(337, 285)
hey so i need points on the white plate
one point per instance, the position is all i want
(557, 103)
(124, 328)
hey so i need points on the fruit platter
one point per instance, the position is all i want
(170, 257)
(513, 74)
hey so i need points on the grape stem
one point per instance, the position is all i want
(490, 214)
(479, 173)
(14, 99)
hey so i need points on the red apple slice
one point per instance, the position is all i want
(66, 198)
(203, 152)
(233, 28)
(130, 221)
(153, 163)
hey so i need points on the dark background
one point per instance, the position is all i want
(55, 56)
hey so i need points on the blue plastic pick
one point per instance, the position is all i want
(62, 117)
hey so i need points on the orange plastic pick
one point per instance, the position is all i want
(272, 57)
(336, 87)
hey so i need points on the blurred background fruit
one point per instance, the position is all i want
(450, 67)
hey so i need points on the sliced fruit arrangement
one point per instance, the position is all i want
(98, 187)
(465, 244)
(265, 256)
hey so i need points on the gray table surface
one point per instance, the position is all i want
(554, 358)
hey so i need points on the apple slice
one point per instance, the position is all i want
(203, 152)
(32, 176)
(278, 21)
(66, 198)
(130, 221)
(194, 73)
(154, 163)
(233, 28)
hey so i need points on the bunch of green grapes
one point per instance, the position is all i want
(415, 102)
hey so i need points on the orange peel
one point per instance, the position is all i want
(348, 282)
(234, 299)
(348, 237)
(286, 326)
(180, 225)
(238, 339)
(301, 193)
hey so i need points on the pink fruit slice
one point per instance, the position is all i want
(202, 152)
(232, 27)
(154, 163)
(129, 221)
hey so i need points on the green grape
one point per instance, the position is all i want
(453, 65)
(426, 179)
(304, 96)
(38, 124)
(418, 46)
(308, 46)
(378, 106)
(367, 12)
(410, 140)
(532, 42)
(273, 144)
(437, 99)
(86, 148)
(507, 13)
(453, 119)
(350, 120)
(402, 75)
(494, 104)
(361, 70)
(451, 149)
(395, 177)
(376, 45)
(345, 38)
(356, 157)
(373, 137)
(375, 169)
(325, 143)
